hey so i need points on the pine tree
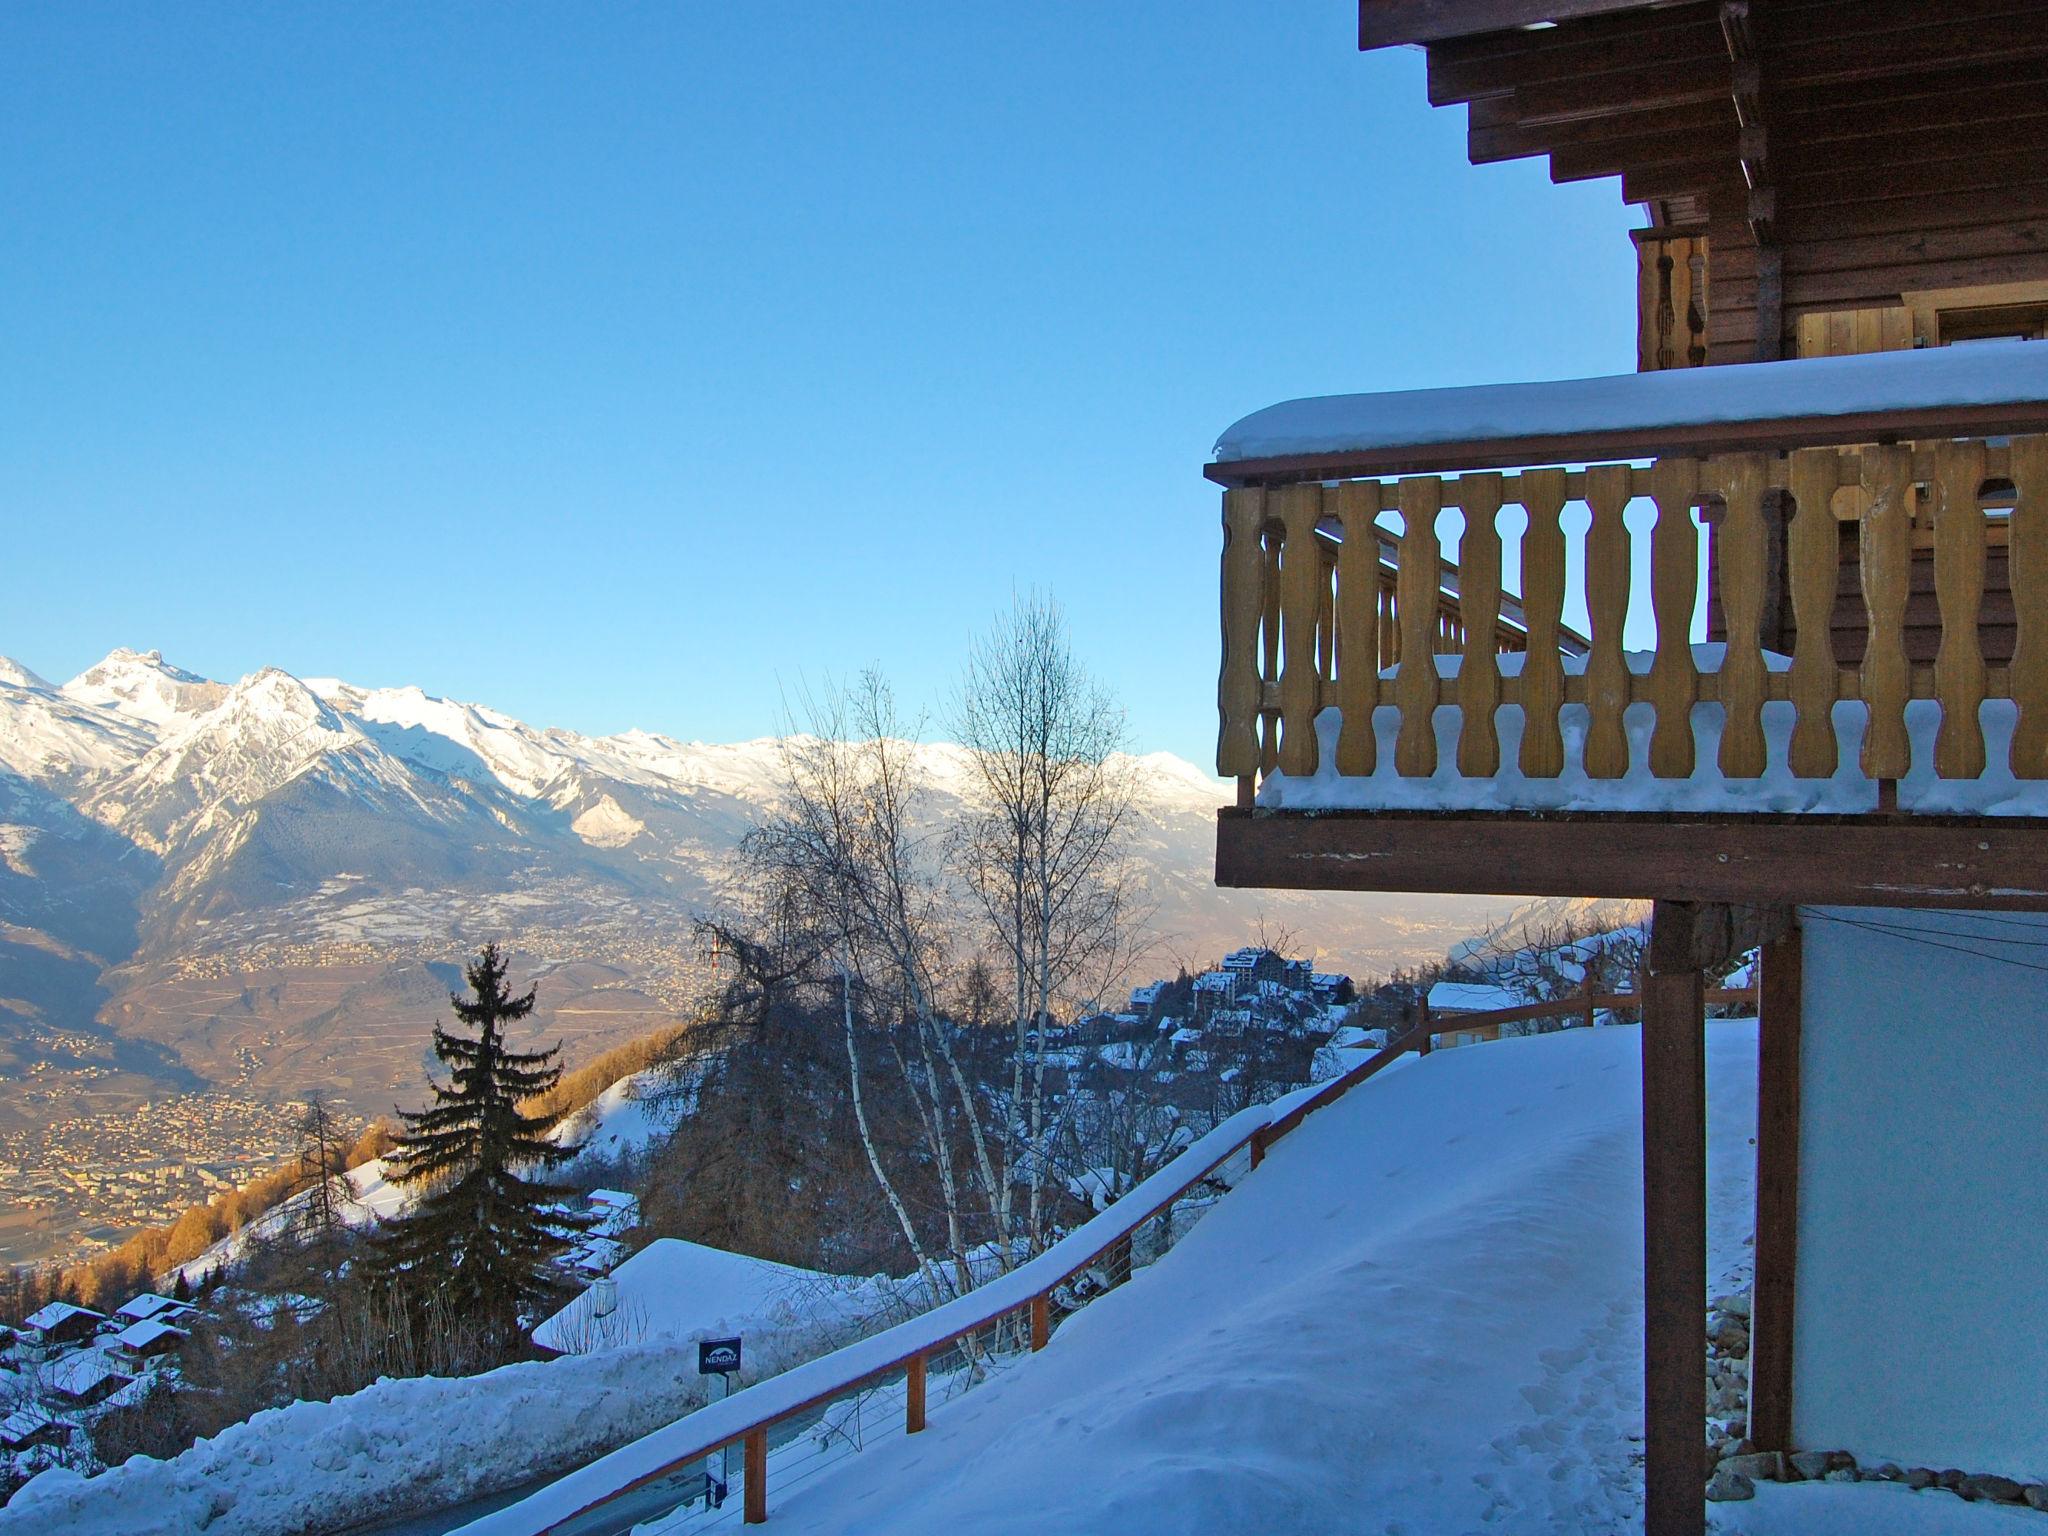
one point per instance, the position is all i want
(479, 1239)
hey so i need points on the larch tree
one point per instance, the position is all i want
(480, 1237)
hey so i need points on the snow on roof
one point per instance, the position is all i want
(1149, 993)
(1996, 792)
(149, 1304)
(613, 1197)
(143, 1334)
(673, 1289)
(49, 1316)
(1215, 981)
(76, 1374)
(1328, 979)
(21, 1424)
(1985, 374)
(1472, 997)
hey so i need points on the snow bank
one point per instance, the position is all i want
(396, 1447)
(1849, 790)
(1993, 373)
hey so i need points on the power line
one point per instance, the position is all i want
(1913, 936)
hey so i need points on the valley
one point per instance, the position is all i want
(217, 898)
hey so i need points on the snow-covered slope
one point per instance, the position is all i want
(1421, 1315)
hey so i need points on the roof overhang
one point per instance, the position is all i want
(1384, 23)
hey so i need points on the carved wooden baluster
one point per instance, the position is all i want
(1542, 493)
(1415, 682)
(1959, 589)
(1358, 624)
(1301, 570)
(1886, 542)
(1326, 610)
(1237, 689)
(1607, 583)
(1813, 545)
(1269, 646)
(1479, 593)
(1741, 562)
(1674, 587)
(2029, 567)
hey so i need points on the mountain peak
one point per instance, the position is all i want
(142, 686)
(12, 671)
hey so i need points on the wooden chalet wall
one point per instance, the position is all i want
(1837, 154)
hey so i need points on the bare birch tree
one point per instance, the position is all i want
(1043, 853)
(867, 877)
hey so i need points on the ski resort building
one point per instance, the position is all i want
(1810, 706)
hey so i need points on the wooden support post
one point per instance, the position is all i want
(1422, 1026)
(756, 1463)
(913, 1396)
(1258, 1148)
(1777, 1194)
(1674, 1227)
(1041, 1320)
(1590, 995)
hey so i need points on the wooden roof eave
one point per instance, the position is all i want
(1389, 23)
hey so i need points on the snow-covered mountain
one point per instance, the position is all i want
(264, 886)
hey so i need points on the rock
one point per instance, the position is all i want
(2036, 1496)
(1810, 1465)
(1762, 1466)
(1918, 1478)
(1989, 1485)
(1728, 1333)
(1951, 1478)
(1886, 1472)
(1735, 1304)
(1726, 1487)
(1838, 1460)
(1841, 1475)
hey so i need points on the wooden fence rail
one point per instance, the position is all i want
(730, 1423)
(1307, 622)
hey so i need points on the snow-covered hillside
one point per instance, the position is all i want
(1422, 1314)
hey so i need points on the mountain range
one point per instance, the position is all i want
(266, 886)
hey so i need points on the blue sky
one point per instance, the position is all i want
(621, 365)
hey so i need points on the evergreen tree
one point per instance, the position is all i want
(480, 1237)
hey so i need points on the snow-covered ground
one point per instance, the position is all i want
(1421, 1315)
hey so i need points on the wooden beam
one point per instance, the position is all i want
(1674, 1228)
(755, 1462)
(1981, 862)
(1777, 1195)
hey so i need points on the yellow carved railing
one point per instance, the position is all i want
(1306, 625)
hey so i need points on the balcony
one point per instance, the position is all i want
(1815, 669)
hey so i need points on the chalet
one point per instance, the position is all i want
(1332, 988)
(1144, 998)
(60, 1322)
(149, 1305)
(1448, 1000)
(24, 1428)
(612, 1212)
(1852, 770)
(139, 1343)
(82, 1378)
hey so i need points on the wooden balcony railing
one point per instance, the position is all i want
(1308, 624)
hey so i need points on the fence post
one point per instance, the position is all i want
(1421, 1025)
(757, 1477)
(1041, 1320)
(1589, 997)
(913, 1397)
(1258, 1146)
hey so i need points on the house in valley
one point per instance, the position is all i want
(1826, 728)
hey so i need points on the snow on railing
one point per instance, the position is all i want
(747, 1417)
